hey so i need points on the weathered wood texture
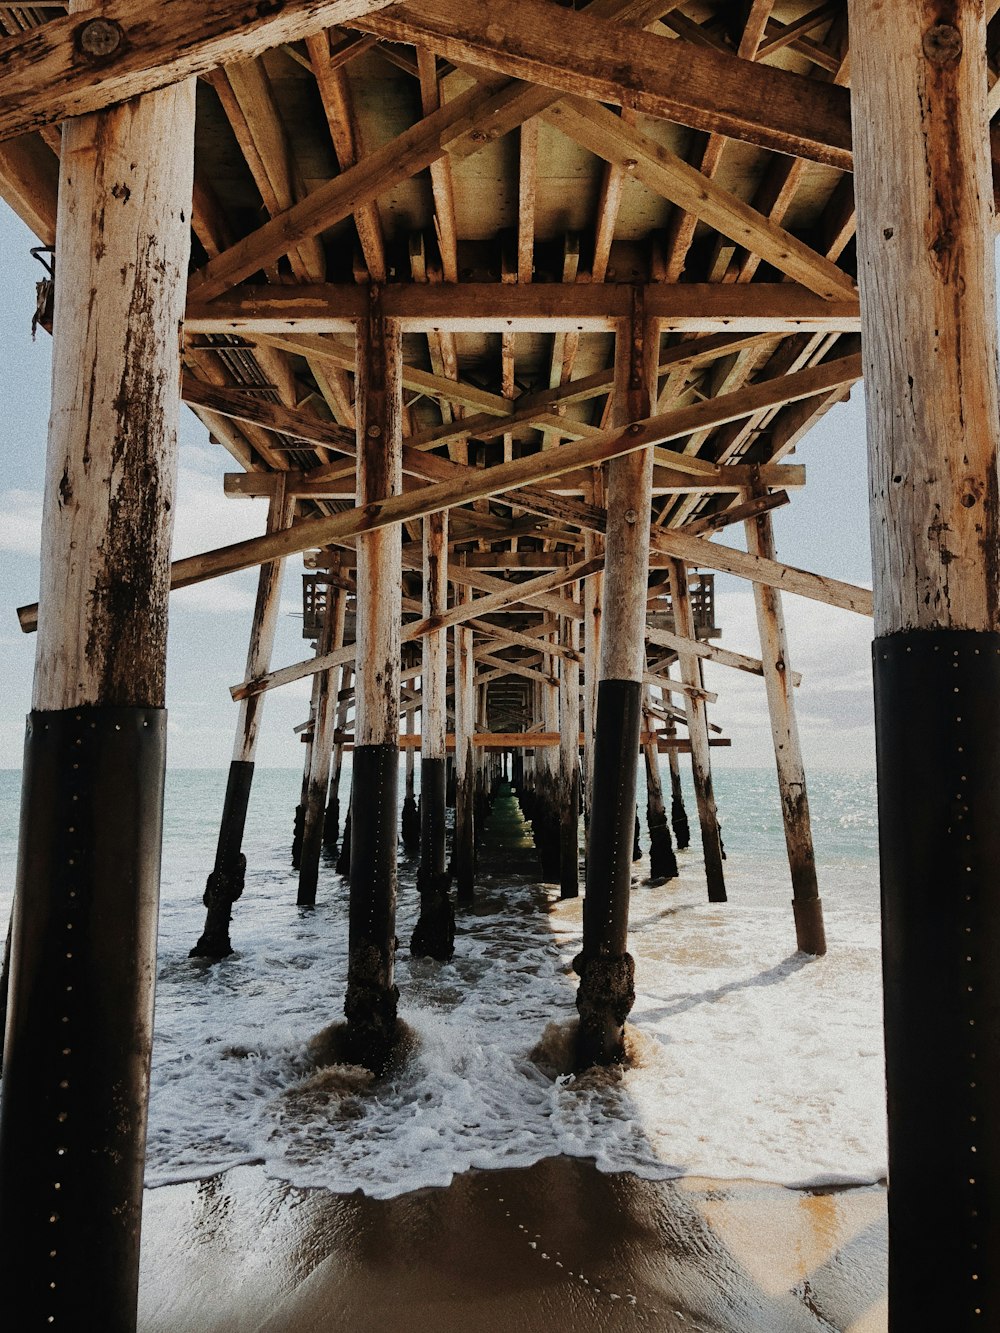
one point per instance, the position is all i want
(263, 629)
(95, 58)
(464, 847)
(569, 759)
(122, 254)
(926, 269)
(695, 85)
(809, 932)
(378, 408)
(321, 753)
(697, 720)
(433, 684)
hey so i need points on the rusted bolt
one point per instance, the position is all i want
(631, 516)
(374, 432)
(100, 37)
(942, 44)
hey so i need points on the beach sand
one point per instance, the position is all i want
(556, 1246)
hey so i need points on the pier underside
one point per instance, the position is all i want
(507, 312)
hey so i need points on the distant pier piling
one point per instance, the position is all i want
(225, 883)
(434, 934)
(371, 990)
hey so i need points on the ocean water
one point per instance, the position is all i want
(750, 1060)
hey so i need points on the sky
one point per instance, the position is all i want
(825, 529)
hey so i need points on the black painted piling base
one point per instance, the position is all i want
(606, 993)
(370, 1003)
(226, 882)
(937, 721)
(410, 825)
(79, 1033)
(636, 844)
(662, 861)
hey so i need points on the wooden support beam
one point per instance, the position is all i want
(80, 1020)
(711, 652)
(600, 130)
(717, 309)
(94, 58)
(575, 53)
(457, 614)
(520, 473)
(926, 269)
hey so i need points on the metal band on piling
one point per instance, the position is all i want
(80, 1024)
(938, 775)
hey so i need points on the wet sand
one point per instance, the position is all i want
(556, 1247)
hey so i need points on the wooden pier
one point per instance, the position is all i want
(509, 314)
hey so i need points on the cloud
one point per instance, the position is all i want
(834, 710)
(21, 522)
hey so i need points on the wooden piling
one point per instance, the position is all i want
(807, 907)
(662, 862)
(569, 755)
(464, 847)
(697, 720)
(606, 969)
(79, 1029)
(593, 590)
(225, 883)
(928, 305)
(371, 992)
(678, 814)
(410, 819)
(434, 935)
(321, 756)
(331, 822)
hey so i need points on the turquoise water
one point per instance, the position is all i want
(843, 808)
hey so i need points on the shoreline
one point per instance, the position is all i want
(557, 1246)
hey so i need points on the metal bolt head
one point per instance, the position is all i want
(374, 432)
(942, 44)
(100, 37)
(631, 516)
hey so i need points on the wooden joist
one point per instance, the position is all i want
(469, 307)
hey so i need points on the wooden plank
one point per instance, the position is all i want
(29, 182)
(574, 53)
(468, 307)
(93, 58)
